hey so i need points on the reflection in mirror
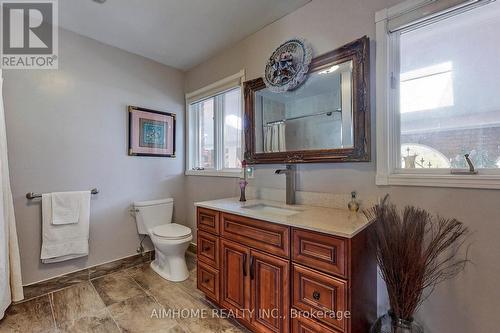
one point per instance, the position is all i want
(317, 115)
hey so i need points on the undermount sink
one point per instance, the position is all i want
(268, 209)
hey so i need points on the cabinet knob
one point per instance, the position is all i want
(316, 295)
(206, 281)
(206, 248)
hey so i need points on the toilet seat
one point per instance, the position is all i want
(172, 231)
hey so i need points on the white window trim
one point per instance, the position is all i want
(215, 88)
(388, 122)
(229, 173)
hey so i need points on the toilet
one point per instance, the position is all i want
(171, 240)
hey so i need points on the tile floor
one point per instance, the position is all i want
(131, 300)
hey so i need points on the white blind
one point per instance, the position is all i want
(429, 11)
(216, 87)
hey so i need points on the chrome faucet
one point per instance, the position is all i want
(289, 171)
(472, 170)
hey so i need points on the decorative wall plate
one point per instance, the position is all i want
(287, 67)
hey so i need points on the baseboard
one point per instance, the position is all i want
(192, 248)
(67, 280)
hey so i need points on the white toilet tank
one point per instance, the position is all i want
(149, 214)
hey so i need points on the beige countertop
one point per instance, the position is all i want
(338, 222)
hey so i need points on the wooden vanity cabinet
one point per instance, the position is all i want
(269, 275)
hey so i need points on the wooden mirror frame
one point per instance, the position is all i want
(358, 52)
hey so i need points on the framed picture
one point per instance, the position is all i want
(150, 132)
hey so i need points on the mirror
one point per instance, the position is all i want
(317, 115)
(323, 120)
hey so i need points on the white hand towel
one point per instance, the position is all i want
(65, 241)
(66, 207)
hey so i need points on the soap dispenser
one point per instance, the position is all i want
(353, 205)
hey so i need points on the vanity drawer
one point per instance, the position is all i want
(208, 249)
(319, 251)
(317, 292)
(208, 281)
(269, 237)
(305, 325)
(208, 220)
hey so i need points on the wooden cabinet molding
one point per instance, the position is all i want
(207, 280)
(307, 325)
(270, 296)
(208, 220)
(208, 249)
(261, 235)
(235, 282)
(323, 252)
(316, 292)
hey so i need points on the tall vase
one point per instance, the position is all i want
(243, 185)
(389, 323)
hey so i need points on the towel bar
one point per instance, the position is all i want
(32, 195)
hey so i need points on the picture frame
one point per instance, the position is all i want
(151, 132)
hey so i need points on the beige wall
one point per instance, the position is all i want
(467, 304)
(67, 130)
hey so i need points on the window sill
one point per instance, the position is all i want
(215, 173)
(441, 180)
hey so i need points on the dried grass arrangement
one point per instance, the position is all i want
(415, 252)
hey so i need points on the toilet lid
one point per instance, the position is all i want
(172, 231)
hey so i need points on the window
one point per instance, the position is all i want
(426, 88)
(436, 93)
(202, 118)
(232, 129)
(215, 129)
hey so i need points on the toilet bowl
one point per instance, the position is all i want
(171, 240)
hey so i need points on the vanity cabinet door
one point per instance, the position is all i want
(235, 278)
(270, 302)
(207, 281)
(208, 249)
(208, 220)
(261, 235)
(319, 251)
(320, 294)
(307, 325)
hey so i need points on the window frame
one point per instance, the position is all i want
(388, 119)
(217, 88)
